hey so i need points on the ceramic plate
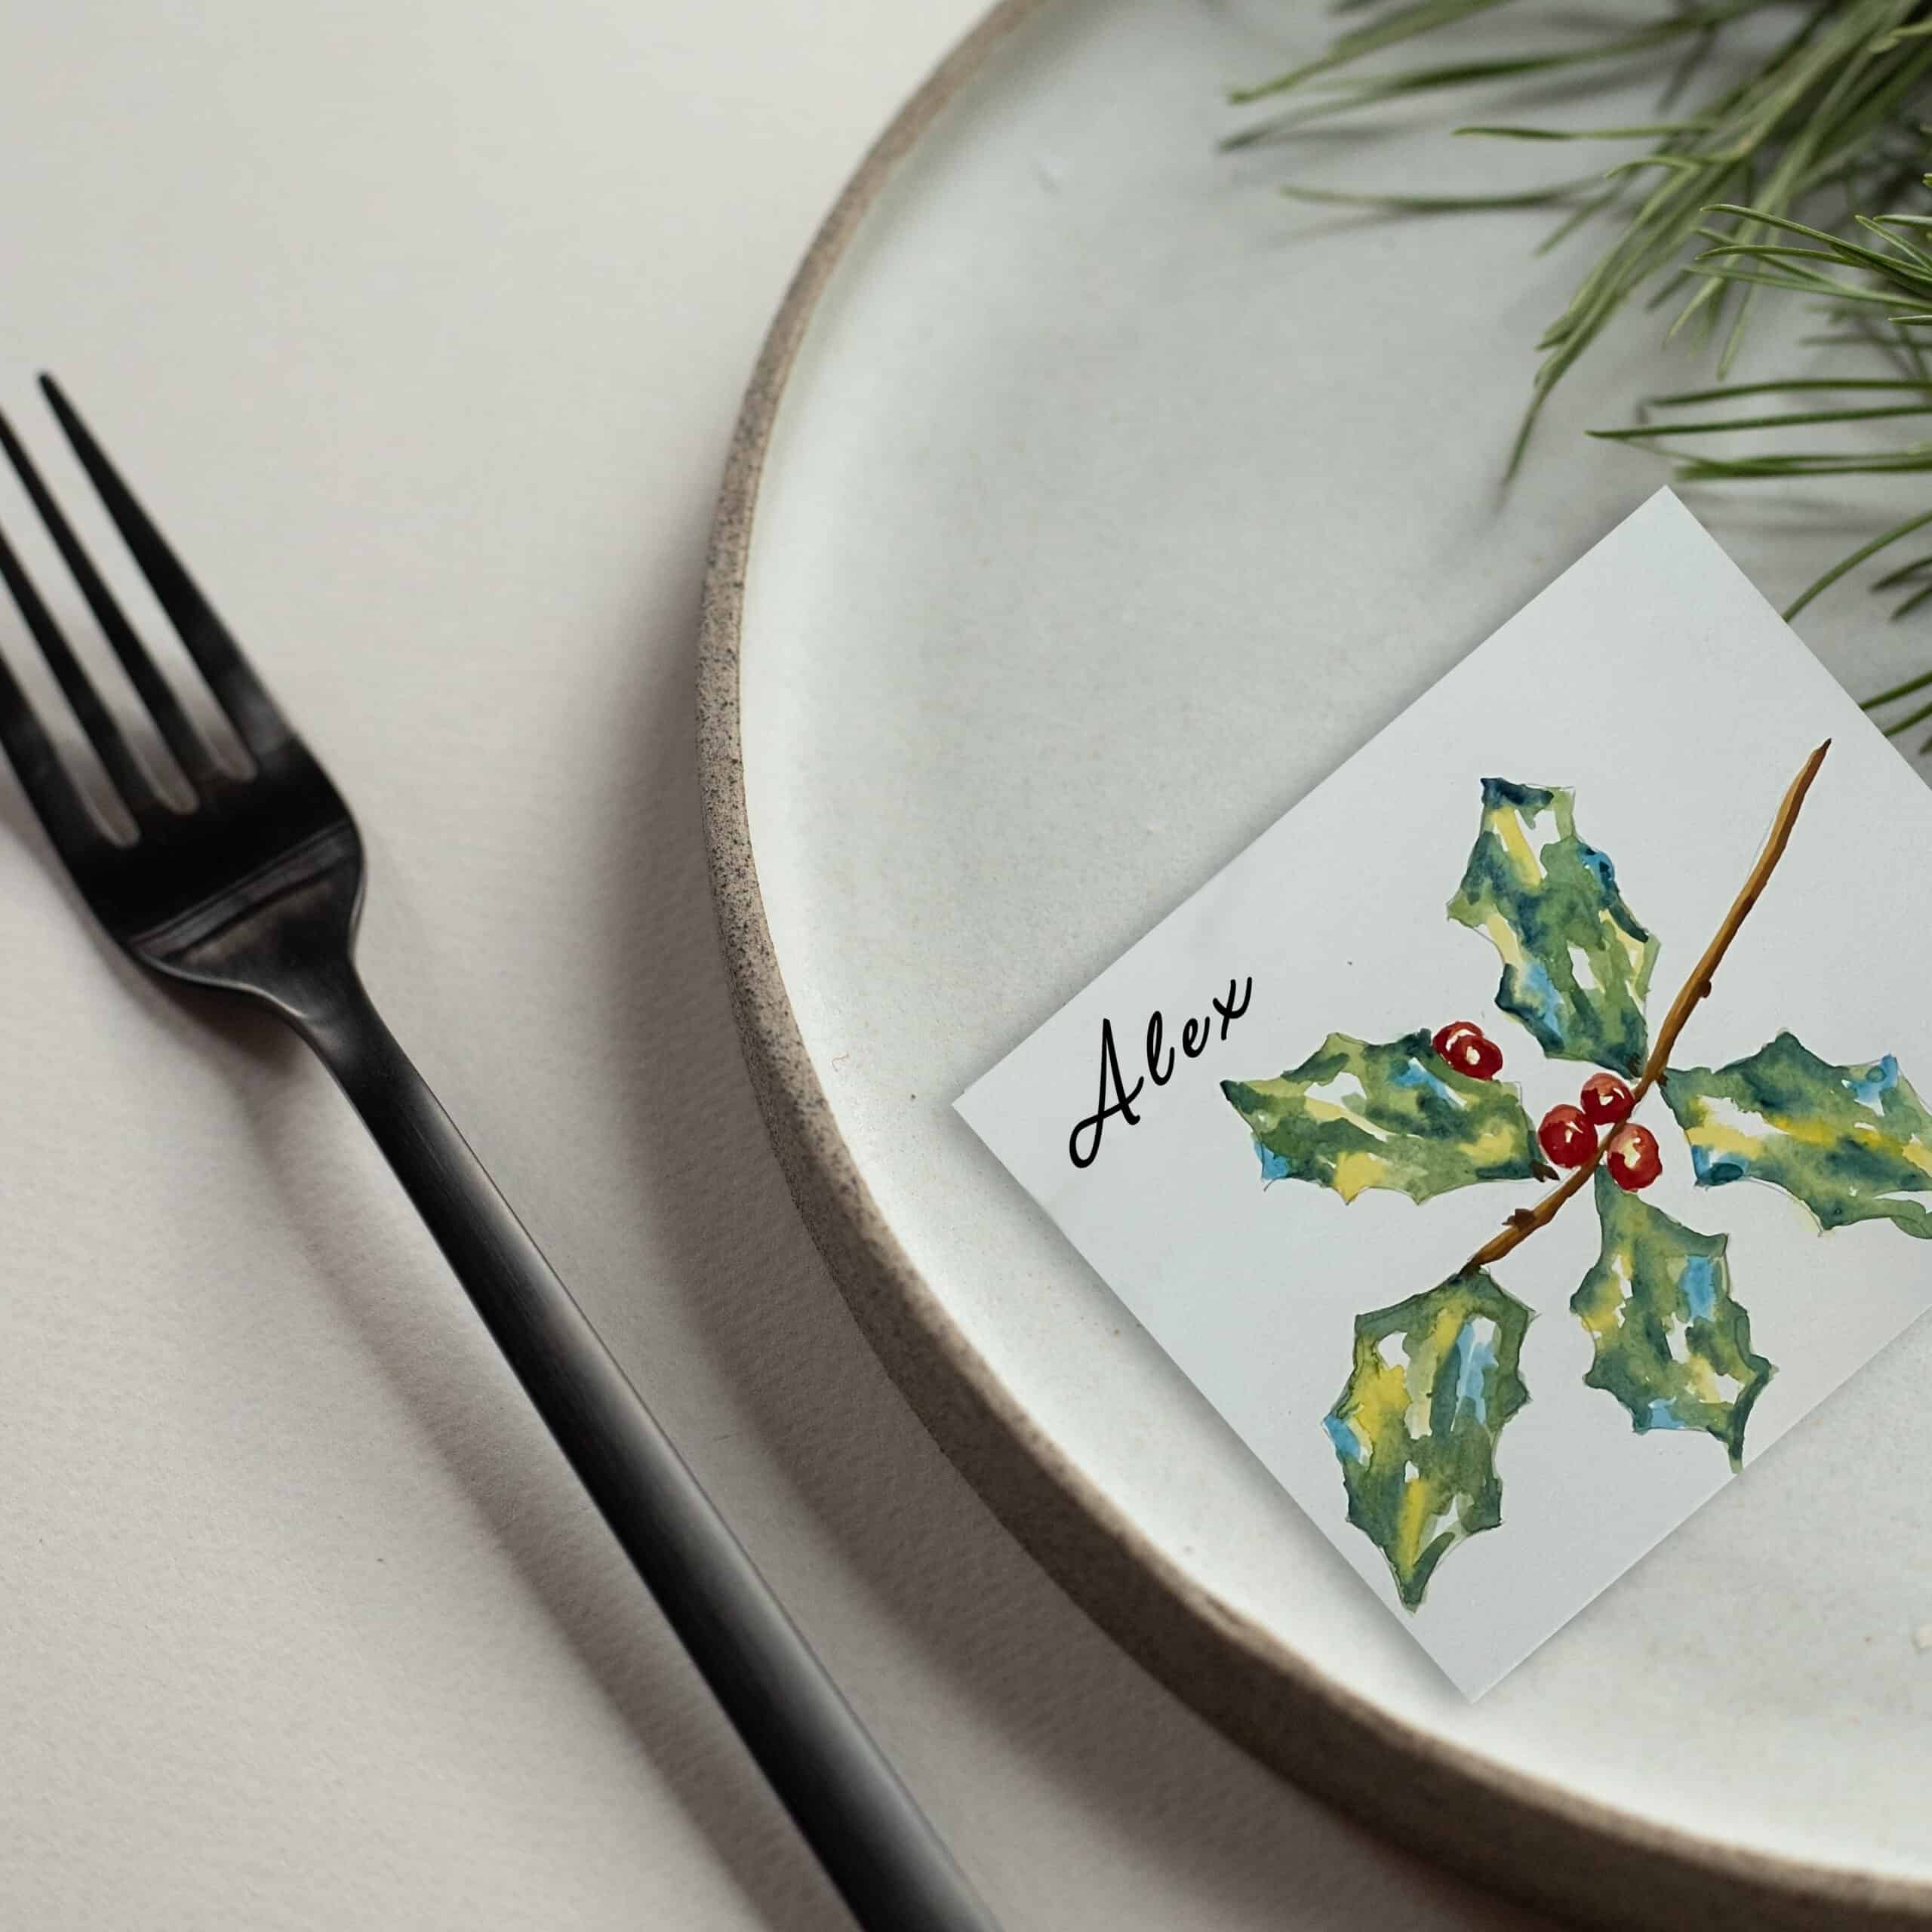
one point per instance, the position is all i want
(1091, 503)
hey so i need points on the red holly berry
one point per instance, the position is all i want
(1606, 1099)
(1469, 1049)
(1483, 1058)
(1632, 1157)
(1566, 1137)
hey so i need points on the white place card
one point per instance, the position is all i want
(1416, 1137)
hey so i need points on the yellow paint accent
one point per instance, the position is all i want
(1328, 1110)
(1514, 836)
(1503, 936)
(1426, 1364)
(1721, 1139)
(1358, 1171)
(1703, 1378)
(1632, 949)
(1378, 1405)
(1412, 1525)
(1493, 1143)
(1604, 1316)
(1713, 1133)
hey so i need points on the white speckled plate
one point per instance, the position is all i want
(1091, 503)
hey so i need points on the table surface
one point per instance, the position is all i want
(423, 326)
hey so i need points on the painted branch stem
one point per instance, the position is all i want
(1525, 1221)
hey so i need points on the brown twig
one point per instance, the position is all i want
(1525, 1222)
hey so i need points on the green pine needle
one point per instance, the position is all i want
(1801, 172)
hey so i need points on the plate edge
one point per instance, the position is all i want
(1521, 1835)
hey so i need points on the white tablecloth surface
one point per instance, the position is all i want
(421, 323)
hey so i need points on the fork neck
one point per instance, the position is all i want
(328, 1005)
(331, 1010)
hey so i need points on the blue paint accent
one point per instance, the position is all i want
(1714, 1170)
(1472, 1359)
(1349, 1445)
(1877, 1081)
(1598, 862)
(1663, 1417)
(1533, 984)
(1698, 1285)
(1274, 1166)
(1415, 1075)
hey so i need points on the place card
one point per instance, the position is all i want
(1417, 1137)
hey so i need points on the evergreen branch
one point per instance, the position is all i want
(1824, 109)
(1771, 175)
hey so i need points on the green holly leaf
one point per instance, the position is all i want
(1355, 1115)
(1847, 1141)
(1435, 1379)
(1576, 963)
(1671, 1346)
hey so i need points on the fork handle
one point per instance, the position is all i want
(874, 1842)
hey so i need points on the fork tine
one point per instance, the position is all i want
(259, 726)
(164, 707)
(50, 791)
(129, 780)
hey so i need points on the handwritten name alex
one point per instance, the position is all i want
(1083, 1144)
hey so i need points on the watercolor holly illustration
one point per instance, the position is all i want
(1435, 1378)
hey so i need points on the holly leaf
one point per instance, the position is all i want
(1355, 1115)
(1671, 1346)
(1434, 1381)
(1576, 963)
(1847, 1141)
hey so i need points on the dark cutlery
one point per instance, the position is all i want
(254, 890)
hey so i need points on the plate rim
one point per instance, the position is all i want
(1523, 1836)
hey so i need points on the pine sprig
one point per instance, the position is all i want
(1768, 182)
(1888, 276)
(1824, 110)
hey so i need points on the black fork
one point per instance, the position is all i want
(254, 890)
